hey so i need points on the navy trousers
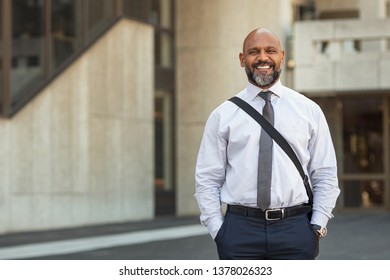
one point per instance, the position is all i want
(242, 237)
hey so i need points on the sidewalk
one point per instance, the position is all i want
(350, 237)
(357, 237)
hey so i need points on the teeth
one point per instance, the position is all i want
(263, 67)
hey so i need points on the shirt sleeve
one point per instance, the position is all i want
(210, 175)
(323, 173)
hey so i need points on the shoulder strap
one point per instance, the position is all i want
(279, 139)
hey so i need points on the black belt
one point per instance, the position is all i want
(270, 214)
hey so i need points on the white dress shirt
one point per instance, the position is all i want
(226, 168)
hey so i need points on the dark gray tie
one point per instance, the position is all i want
(265, 156)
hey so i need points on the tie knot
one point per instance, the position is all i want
(266, 95)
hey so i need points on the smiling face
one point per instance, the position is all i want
(262, 58)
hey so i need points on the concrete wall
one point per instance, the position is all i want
(340, 67)
(82, 151)
(209, 39)
(326, 57)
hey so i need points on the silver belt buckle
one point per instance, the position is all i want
(273, 210)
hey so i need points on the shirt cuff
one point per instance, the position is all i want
(319, 218)
(214, 225)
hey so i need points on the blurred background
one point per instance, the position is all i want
(103, 103)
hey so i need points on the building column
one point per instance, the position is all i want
(373, 9)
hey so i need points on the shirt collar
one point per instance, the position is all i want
(253, 91)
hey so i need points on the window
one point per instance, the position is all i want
(164, 139)
(363, 193)
(163, 49)
(166, 14)
(362, 135)
(28, 45)
(100, 12)
(161, 17)
(359, 136)
(161, 13)
(137, 9)
(363, 152)
(66, 29)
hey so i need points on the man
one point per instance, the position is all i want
(230, 165)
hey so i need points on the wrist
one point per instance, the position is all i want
(321, 231)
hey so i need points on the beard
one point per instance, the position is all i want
(262, 80)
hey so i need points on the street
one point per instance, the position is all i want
(350, 237)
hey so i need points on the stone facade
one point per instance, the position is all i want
(82, 151)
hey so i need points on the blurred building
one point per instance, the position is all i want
(103, 103)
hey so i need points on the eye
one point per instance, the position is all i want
(252, 52)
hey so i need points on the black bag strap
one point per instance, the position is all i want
(278, 138)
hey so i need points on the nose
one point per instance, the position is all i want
(262, 56)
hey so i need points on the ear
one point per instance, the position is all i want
(242, 60)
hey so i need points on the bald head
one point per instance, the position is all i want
(260, 33)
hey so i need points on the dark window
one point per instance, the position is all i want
(163, 49)
(363, 134)
(363, 193)
(66, 29)
(28, 45)
(363, 152)
(137, 9)
(47, 34)
(100, 12)
(164, 182)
